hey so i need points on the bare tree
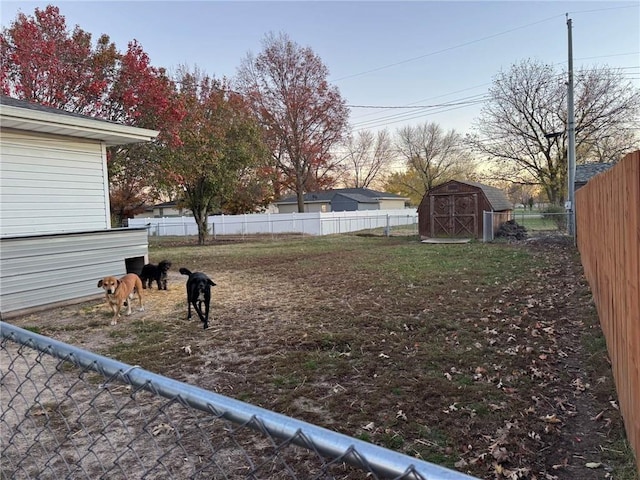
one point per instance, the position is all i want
(304, 117)
(368, 156)
(523, 125)
(434, 155)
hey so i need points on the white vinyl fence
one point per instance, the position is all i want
(315, 223)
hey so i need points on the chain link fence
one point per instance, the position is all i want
(532, 224)
(69, 413)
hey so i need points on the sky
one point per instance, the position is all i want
(438, 57)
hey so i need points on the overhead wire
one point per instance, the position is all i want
(456, 103)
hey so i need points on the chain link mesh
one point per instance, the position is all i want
(68, 413)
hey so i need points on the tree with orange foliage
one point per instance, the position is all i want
(302, 114)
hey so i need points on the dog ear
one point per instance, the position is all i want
(100, 283)
(211, 283)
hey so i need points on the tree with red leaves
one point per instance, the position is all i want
(303, 116)
(221, 149)
(43, 62)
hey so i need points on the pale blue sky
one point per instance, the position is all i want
(378, 53)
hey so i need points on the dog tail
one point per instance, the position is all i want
(185, 271)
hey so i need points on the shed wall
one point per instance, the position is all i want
(47, 269)
(51, 184)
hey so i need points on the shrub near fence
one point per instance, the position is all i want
(314, 223)
(608, 237)
(69, 413)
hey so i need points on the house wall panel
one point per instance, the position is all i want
(47, 269)
(391, 204)
(43, 174)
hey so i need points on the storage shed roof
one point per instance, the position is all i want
(496, 197)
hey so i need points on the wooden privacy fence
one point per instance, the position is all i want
(608, 236)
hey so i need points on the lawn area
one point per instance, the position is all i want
(484, 358)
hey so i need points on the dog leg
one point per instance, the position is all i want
(141, 309)
(116, 314)
(203, 317)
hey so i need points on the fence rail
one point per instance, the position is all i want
(314, 223)
(69, 413)
(534, 222)
(608, 238)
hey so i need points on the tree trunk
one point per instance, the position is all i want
(200, 216)
(300, 193)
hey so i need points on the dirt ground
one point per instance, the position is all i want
(520, 386)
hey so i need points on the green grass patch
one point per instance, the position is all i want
(142, 343)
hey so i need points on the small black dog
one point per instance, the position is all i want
(151, 272)
(198, 293)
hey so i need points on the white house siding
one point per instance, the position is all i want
(48, 269)
(391, 204)
(309, 207)
(367, 206)
(51, 184)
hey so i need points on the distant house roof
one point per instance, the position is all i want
(586, 171)
(169, 204)
(496, 197)
(360, 195)
(23, 115)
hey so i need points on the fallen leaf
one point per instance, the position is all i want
(162, 428)
(592, 465)
(460, 464)
(551, 419)
(500, 454)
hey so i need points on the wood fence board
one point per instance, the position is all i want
(608, 234)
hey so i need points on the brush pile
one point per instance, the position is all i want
(511, 230)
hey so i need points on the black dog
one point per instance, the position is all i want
(198, 293)
(151, 272)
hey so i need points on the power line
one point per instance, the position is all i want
(603, 9)
(446, 49)
(421, 111)
(409, 106)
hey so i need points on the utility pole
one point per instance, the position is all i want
(571, 153)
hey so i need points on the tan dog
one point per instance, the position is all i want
(119, 291)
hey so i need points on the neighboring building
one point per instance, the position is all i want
(455, 209)
(56, 240)
(586, 171)
(343, 200)
(165, 209)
